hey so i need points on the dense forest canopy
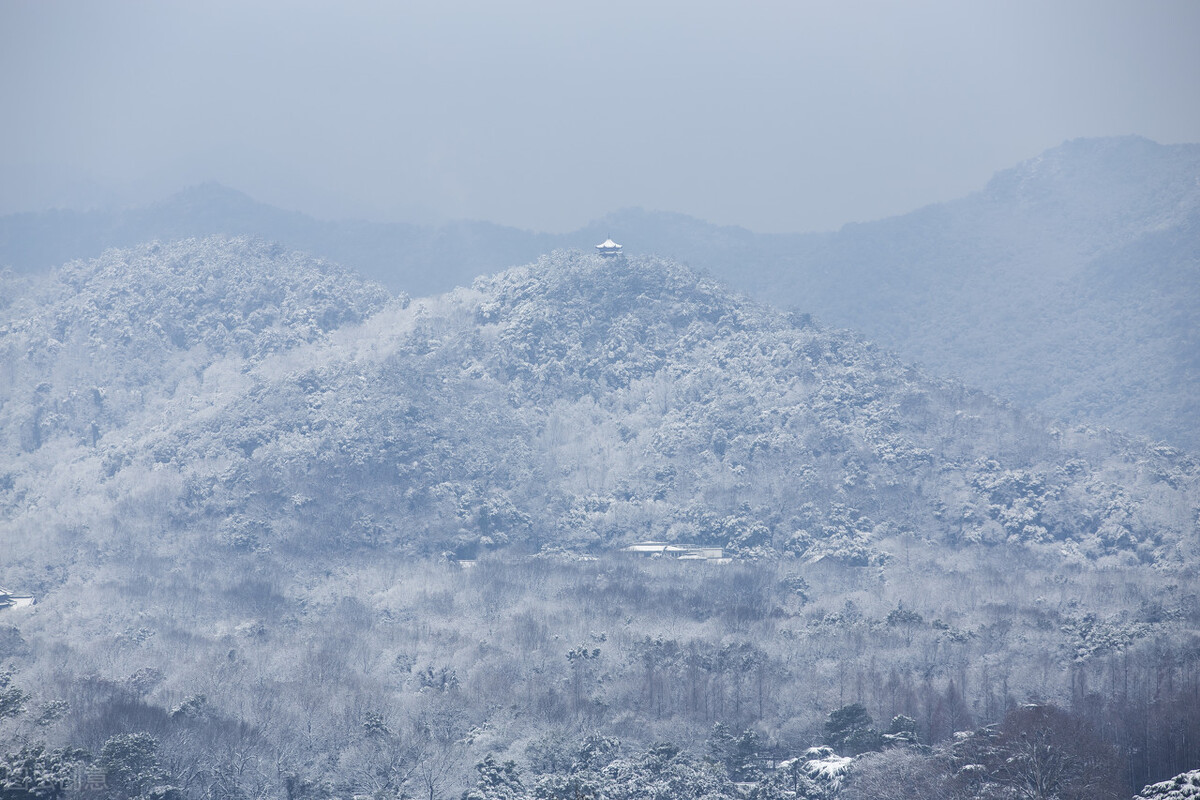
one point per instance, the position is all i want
(1067, 284)
(578, 403)
(245, 485)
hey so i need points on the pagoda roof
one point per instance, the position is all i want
(608, 244)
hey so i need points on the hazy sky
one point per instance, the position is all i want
(779, 116)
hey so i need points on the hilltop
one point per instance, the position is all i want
(95, 343)
(1068, 284)
(576, 403)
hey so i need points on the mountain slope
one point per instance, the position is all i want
(1069, 284)
(245, 565)
(582, 403)
(89, 347)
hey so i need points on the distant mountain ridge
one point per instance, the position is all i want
(1049, 287)
(411, 258)
(1069, 284)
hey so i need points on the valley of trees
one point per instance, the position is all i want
(394, 678)
(243, 485)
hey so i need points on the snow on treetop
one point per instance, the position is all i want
(1182, 787)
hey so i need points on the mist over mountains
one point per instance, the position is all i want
(297, 530)
(1068, 284)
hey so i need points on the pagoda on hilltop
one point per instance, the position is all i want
(608, 248)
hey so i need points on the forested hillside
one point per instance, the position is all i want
(621, 399)
(241, 484)
(86, 349)
(1069, 284)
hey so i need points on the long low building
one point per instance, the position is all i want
(10, 600)
(681, 552)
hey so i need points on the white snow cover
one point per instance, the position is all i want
(1182, 787)
(824, 766)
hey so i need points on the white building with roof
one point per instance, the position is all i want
(679, 552)
(608, 248)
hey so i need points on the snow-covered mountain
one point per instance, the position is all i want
(579, 403)
(1069, 284)
(244, 486)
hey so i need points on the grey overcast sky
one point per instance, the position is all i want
(778, 116)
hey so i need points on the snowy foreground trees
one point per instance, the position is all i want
(401, 683)
(1039, 752)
